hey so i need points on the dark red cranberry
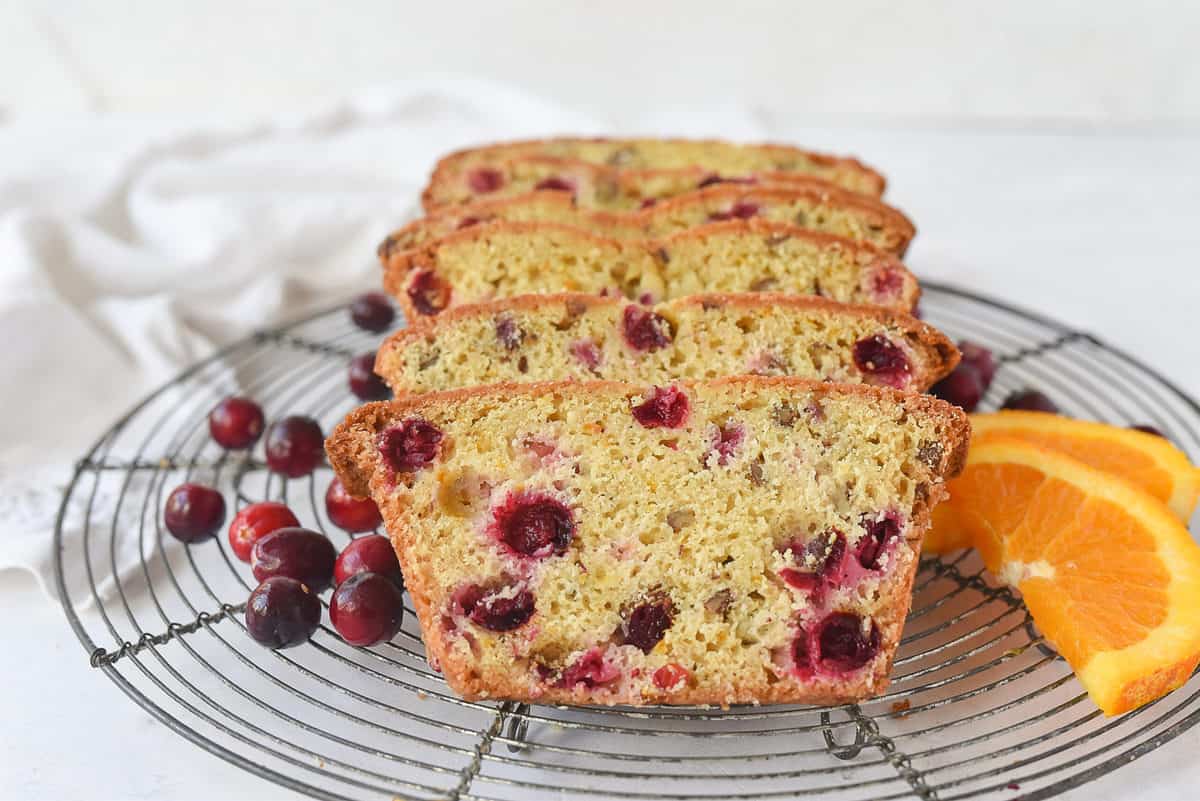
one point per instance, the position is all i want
(194, 512)
(645, 330)
(467, 222)
(256, 521)
(667, 407)
(366, 609)
(591, 670)
(236, 423)
(555, 182)
(373, 554)
(647, 202)
(802, 652)
(670, 676)
(726, 442)
(508, 333)
(372, 312)
(1029, 400)
(495, 609)
(299, 553)
(282, 613)
(887, 281)
(880, 358)
(349, 513)
(820, 559)
(981, 359)
(428, 292)
(963, 387)
(363, 381)
(647, 623)
(841, 644)
(586, 351)
(880, 533)
(295, 445)
(1147, 429)
(411, 445)
(741, 210)
(485, 179)
(534, 525)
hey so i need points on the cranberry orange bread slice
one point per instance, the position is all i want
(718, 159)
(822, 209)
(748, 539)
(590, 185)
(500, 260)
(584, 337)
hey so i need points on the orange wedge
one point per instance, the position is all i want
(1148, 462)
(1109, 574)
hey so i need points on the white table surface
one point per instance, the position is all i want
(1097, 230)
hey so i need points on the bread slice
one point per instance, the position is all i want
(585, 337)
(713, 156)
(500, 260)
(814, 208)
(742, 540)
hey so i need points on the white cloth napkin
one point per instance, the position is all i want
(129, 248)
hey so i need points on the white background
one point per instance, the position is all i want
(1047, 151)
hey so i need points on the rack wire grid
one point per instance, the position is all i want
(980, 706)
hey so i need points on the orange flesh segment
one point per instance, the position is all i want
(1109, 575)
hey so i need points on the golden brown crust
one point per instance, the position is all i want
(939, 352)
(398, 264)
(894, 230)
(353, 456)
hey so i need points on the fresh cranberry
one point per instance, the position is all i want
(349, 513)
(428, 292)
(295, 445)
(647, 202)
(372, 311)
(366, 609)
(741, 210)
(802, 653)
(820, 558)
(236, 423)
(1147, 429)
(555, 182)
(534, 525)
(468, 221)
(887, 281)
(373, 554)
(841, 644)
(882, 359)
(880, 533)
(591, 670)
(645, 330)
(647, 623)
(363, 381)
(496, 609)
(256, 521)
(194, 512)
(485, 179)
(411, 445)
(671, 676)
(508, 333)
(667, 407)
(299, 553)
(726, 441)
(586, 351)
(1029, 400)
(981, 359)
(282, 613)
(963, 387)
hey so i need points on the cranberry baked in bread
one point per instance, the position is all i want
(504, 259)
(747, 539)
(816, 208)
(586, 337)
(716, 158)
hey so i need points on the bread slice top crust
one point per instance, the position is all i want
(716, 156)
(572, 336)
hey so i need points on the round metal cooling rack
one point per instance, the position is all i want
(979, 705)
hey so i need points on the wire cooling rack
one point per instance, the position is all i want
(979, 705)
